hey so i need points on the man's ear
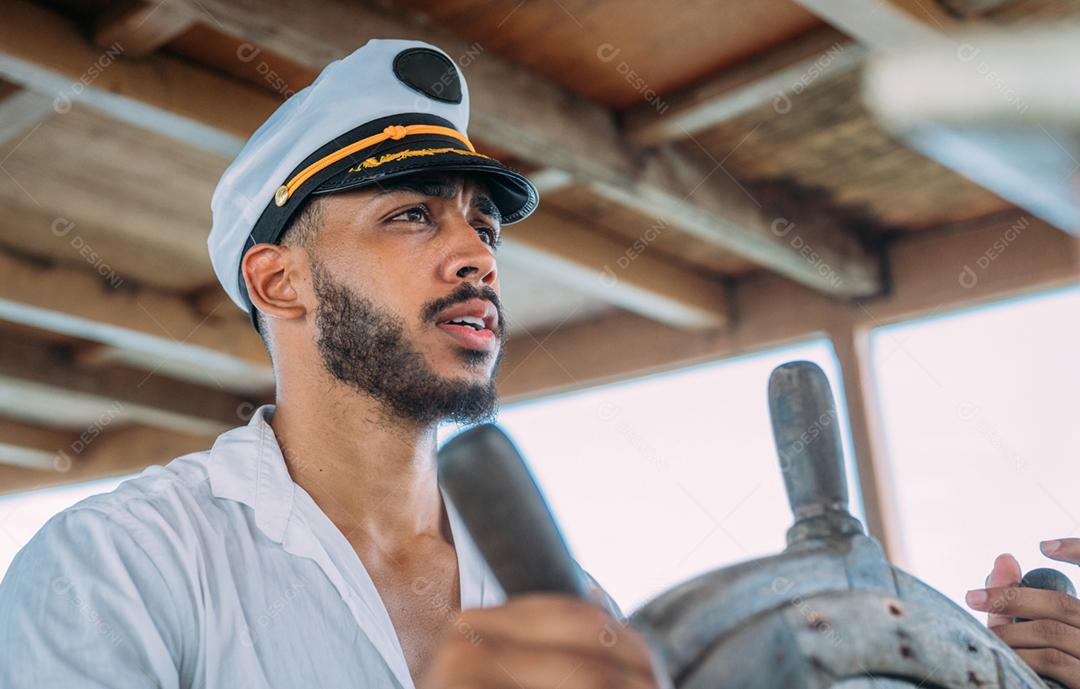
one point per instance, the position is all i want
(273, 274)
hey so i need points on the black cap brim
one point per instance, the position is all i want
(511, 192)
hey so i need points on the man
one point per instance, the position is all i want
(313, 547)
(1049, 641)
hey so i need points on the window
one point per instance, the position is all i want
(656, 480)
(980, 414)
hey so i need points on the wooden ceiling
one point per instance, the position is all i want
(676, 145)
(138, 197)
(829, 146)
(580, 44)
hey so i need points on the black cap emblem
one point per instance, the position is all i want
(429, 72)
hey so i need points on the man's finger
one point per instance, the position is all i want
(1050, 662)
(1062, 549)
(1041, 634)
(1006, 572)
(1033, 604)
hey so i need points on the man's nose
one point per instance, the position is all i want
(468, 256)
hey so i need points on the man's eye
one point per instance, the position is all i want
(491, 237)
(414, 214)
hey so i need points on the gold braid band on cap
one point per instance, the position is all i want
(369, 163)
(394, 131)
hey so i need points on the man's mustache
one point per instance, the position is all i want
(465, 292)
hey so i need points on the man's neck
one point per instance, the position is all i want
(372, 474)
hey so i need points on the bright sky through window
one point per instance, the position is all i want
(981, 425)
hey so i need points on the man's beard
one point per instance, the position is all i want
(366, 347)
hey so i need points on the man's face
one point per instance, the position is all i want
(408, 308)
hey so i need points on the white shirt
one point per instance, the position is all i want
(216, 570)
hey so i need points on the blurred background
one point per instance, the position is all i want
(886, 187)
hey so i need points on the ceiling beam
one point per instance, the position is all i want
(113, 453)
(140, 28)
(162, 330)
(1014, 167)
(45, 52)
(512, 111)
(885, 24)
(20, 112)
(618, 271)
(44, 377)
(33, 447)
(944, 83)
(933, 272)
(773, 78)
(714, 208)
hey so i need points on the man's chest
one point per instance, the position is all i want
(422, 598)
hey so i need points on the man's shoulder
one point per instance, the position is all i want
(161, 505)
(158, 487)
(108, 578)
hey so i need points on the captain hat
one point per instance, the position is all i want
(391, 108)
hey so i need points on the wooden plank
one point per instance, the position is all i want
(45, 52)
(171, 262)
(164, 329)
(828, 153)
(852, 347)
(772, 78)
(550, 180)
(629, 225)
(113, 453)
(82, 184)
(626, 275)
(140, 28)
(25, 457)
(32, 447)
(52, 372)
(885, 24)
(21, 112)
(701, 199)
(7, 89)
(993, 78)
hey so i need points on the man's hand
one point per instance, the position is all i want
(540, 641)
(1050, 641)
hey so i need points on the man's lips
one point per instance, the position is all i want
(480, 312)
(473, 323)
(483, 340)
